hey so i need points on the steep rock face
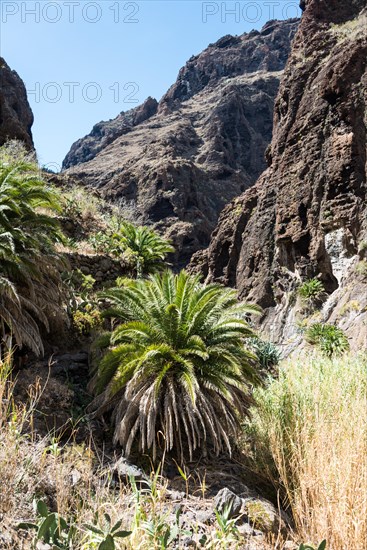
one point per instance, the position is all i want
(307, 215)
(105, 133)
(16, 117)
(204, 146)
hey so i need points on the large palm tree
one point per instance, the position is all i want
(144, 248)
(29, 281)
(176, 365)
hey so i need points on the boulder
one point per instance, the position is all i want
(226, 500)
(263, 516)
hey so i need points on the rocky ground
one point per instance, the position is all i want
(60, 385)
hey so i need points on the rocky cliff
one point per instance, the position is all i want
(106, 132)
(307, 216)
(16, 117)
(181, 161)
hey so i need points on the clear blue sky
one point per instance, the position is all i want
(85, 61)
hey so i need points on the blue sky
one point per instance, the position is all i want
(85, 61)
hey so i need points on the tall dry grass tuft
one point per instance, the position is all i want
(310, 434)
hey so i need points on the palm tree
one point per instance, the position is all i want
(144, 248)
(29, 280)
(176, 364)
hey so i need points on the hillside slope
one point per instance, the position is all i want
(181, 161)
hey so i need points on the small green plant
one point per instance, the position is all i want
(361, 268)
(267, 353)
(226, 533)
(104, 241)
(312, 293)
(54, 447)
(88, 320)
(105, 536)
(80, 290)
(70, 243)
(71, 208)
(161, 532)
(50, 529)
(330, 339)
(321, 546)
(349, 307)
(143, 248)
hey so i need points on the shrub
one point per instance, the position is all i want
(312, 293)
(176, 364)
(267, 353)
(81, 203)
(143, 248)
(309, 437)
(86, 321)
(361, 268)
(329, 339)
(104, 241)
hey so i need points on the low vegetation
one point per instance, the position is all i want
(329, 339)
(307, 444)
(179, 375)
(312, 294)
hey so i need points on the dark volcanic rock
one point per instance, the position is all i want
(231, 56)
(104, 133)
(205, 145)
(16, 117)
(306, 215)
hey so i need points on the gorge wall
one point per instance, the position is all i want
(16, 117)
(180, 161)
(307, 216)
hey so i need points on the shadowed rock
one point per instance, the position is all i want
(16, 117)
(205, 144)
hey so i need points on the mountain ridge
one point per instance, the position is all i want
(204, 145)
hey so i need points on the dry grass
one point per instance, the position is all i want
(311, 433)
(76, 481)
(351, 29)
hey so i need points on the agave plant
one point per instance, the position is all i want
(176, 364)
(29, 281)
(143, 247)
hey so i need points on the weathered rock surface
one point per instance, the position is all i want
(262, 514)
(228, 502)
(306, 216)
(16, 117)
(102, 268)
(104, 133)
(204, 146)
